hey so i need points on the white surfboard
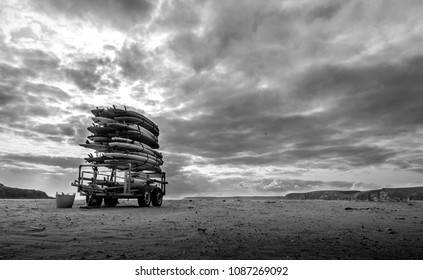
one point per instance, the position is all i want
(132, 147)
(139, 158)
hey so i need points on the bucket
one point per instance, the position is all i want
(64, 200)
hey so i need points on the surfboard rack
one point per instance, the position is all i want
(103, 182)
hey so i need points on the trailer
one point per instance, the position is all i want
(105, 183)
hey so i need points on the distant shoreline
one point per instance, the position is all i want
(383, 194)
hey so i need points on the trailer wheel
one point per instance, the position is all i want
(110, 202)
(145, 199)
(157, 197)
(93, 201)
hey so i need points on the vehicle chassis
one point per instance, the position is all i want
(110, 185)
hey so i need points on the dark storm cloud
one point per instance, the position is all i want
(16, 88)
(325, 11)
(26, 101)
(51, 93)
(86, 73)
(226, 23)
(17, 160)
(328, 115)
(233, 21)
(131, 60)
(250, 36)
(12, 81)
(222, 139)
(23, 33)
(120, 14)
(333, 157)
(37, 111)
(410, 161)
(33, 61)
(84, 79)
(9, 73)
(8, 94)
(249, 121)
(341, 156)
(21, 122)
(384, 96)
(40, 60)
(179, 16)
(54, 130)
(193, 50)
(95, 75)
(76, 126)
(362, 105)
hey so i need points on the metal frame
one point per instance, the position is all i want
(110, 185)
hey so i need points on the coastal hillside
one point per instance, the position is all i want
(328, 195)
(384, 194)
(232, 197)
(17, 193)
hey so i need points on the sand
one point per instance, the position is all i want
(212, 229)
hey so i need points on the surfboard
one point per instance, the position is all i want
(140, 158)
(102, 120)
(124, 139)
(100, 139)
(133, 127)
(100, 130)
(127, 116)
(132, 147)
(123, 164)
(137, 136)
(133, 168)
(138, 121)
(101, 112)
(115, 112)
(145, 153)
(130, 141)
(104, 135)
(153, 157)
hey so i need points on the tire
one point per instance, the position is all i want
(110, 202)
(94, 201)
(157, 197)
(145, 199)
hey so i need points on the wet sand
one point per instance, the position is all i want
(213, 229)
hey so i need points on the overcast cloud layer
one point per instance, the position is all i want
(251, 97)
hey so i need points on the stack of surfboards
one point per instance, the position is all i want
(123, 139)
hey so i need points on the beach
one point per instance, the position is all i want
(212, 229)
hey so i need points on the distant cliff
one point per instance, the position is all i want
(8, 192)
(384, 194)
(396, 194)
(327, 195)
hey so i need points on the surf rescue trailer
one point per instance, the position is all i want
(126, 163)
(101, 182)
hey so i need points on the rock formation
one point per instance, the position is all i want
(17, 193)
(384, 194)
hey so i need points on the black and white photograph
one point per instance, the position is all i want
(211, 130)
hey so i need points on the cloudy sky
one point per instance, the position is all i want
(251, 97)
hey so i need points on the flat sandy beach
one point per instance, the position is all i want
(212, 229)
